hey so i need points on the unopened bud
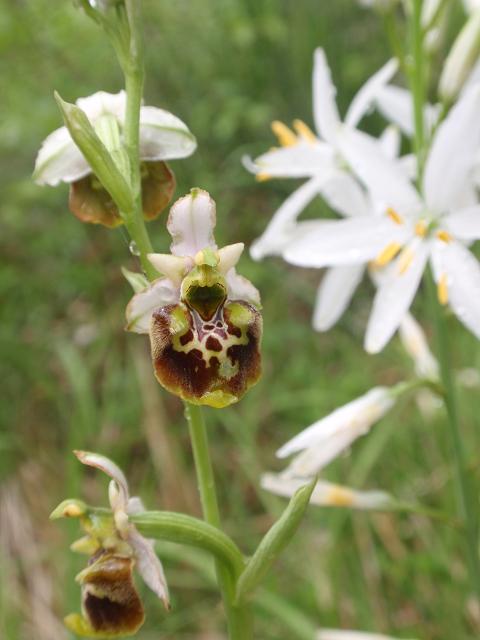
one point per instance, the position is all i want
(461, 59)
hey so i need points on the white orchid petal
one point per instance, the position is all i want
(334, 634)
(191, 223)
(140, 308)
(390, 141)
(148, 565)
(111, 469)
(103, 103)
(464, 224)
(383, 177)
(357, 415)
(415, 344)
(229, 256)
(334, 294)
(239, 288)
(325, 110)
(394, 297)
(345, 195)
(163, 136)
(463, 282)
(135, 506)
(279, 230)
(363, 100)
(59, 160)
(301, 160)
(342, 242)
(326, 494)
(173, 267)
(452, 154)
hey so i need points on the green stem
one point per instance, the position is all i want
(238, 617)
(466, 504)
(418, 86)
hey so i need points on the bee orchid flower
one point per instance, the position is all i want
(163, 137)
(203, 318)
(111, 606)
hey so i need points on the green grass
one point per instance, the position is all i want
(72, 378)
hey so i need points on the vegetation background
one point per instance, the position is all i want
(71, 378)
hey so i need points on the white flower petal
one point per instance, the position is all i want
(463, 282)
(396, 105)
(163, 136)
(102, 103)
(140, 308)
(342, 242)
(334, 634)
(395, 296)
(59, 160)
(239, 288)
(326, 494)
(345, 195)
(334, 294)
(325, 110)
(279, 230)
(356, 416)
(390, 141)
(110, 468)
(173, 267)
(415, 344)
(301, 160)
(383, 177)
(148, 565)
(363, 100)
(229, 256)
(452, 154)
(464, 224)
(191, 223)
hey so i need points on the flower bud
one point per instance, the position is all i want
(460, 60)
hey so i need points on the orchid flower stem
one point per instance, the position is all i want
(466, 505)
(418, 85)
(238, 617)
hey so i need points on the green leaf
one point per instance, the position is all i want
(274, 542)
(96, 154)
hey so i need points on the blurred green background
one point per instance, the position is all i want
(71, 378)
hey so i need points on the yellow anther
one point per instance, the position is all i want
(442, 289)
(444, 235)
(285, 136)
(73, 511)
(387, 254)
(405, 260)
(421, 228)
(304, 131)
(393, 215)
(340, 497)
(262, 177)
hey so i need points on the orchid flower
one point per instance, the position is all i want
(316, 156)
(111, 606)
(202, 317)
(413, 229)
(163, 137)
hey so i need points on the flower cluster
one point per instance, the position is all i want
(111, 606)
(202, 316)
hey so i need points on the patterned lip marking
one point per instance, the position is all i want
(212, 362)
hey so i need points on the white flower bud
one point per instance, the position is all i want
(461, 59)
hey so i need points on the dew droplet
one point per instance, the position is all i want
(134, 250)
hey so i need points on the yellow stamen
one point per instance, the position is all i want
(304, 130)
(339, 497)
(405, 260)
(421, 228)
(393, 215)
(285, 136)
(387, 254)
(444, 235)
(442, 289)
(262, 177)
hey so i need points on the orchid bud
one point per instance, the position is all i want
(461, 59)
